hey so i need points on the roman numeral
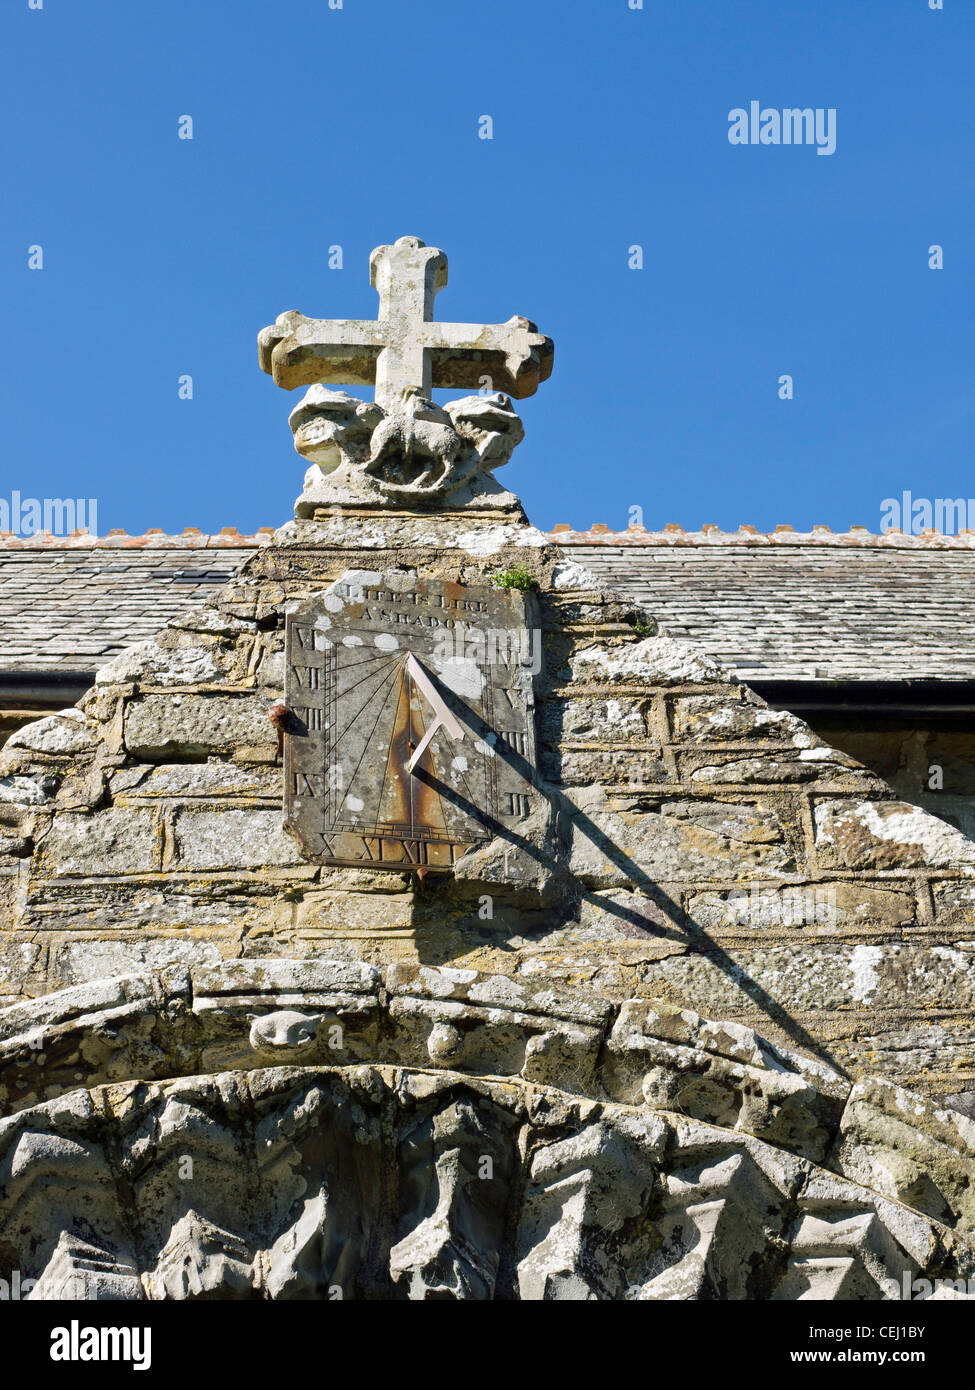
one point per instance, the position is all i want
(307, 677)
(309, 639)
(515, 739)
(304, 785)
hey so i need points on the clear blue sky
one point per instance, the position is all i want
(356, 126)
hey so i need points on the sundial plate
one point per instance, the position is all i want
(372, 666)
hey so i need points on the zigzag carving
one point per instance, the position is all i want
(382, 1183)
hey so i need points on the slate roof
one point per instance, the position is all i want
(70, 604)
(784, 606)
(806, 606)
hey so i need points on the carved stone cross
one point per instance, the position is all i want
(405, 350)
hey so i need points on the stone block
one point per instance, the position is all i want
(615, 767)
(933, 1051)
(192, 781)
(620, 840)
(805, 765)
(905, 1148)
(74, 962)
(827, 906)
(159, 726)
(587, 719)
(111, 841)
(67, 733)
(854, 834)
(357, 914)
(954, 904)
(20, 963)
(274, 975)
(232, 839)
(652, 661)
(172, 659)
(820, 975)
(713, 719)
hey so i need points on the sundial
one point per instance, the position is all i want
(411, 737)
(408, 733)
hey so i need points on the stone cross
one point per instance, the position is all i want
(405, 351)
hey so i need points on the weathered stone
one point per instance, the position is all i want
(931, 1054)
(419, 454)
(612, 767)
(405, 352)
(818, 975)
(110, 842)
(652, 661)
(592, 719)
(526, 871)
(23, 791)
(570, 575)
(215, 778)
(619, 841)
(200, 1260)
(954, 905)
(78, 1270)
(723, 1074)
(189, 662)
(232, 839)
(886, 835)
(771, 767)
(18, 964)
(271, 975)
(159, 726)
(584, 1191)
(271, 670)
(207, 618)
(353, 914)
(718, 1221)
(67, 732)
(80, 961)
(829, 906)
(704, 719)
(634, 916)
(898, 1145)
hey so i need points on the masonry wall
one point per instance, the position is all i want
(929, 761)
(694, 846)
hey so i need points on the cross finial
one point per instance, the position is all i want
(405, 351)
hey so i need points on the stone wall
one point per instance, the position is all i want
(228, 1072)
(697, 848)
(929, 761)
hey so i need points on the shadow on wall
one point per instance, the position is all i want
(665, 919)
(929, 762)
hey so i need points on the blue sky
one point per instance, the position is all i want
(314, 126)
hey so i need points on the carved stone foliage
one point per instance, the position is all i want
(384, 1183)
